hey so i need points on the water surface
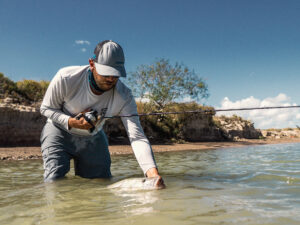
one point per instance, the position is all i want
(250, 185)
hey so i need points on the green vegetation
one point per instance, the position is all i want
(283, 129)
(7, 86)
(233, 118)
(163, 83)
(33, 90)
(170, 126)
(288, 129)
(230, 120)
(273, 129)
(24, 91)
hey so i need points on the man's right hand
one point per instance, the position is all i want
(80, 124)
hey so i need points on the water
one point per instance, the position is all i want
(250, 185)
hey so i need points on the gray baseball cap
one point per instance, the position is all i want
(109, 59)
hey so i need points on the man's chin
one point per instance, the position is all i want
(107, 87)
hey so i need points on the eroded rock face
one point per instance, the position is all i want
(8, 100)
(195, 127)
(236, 128)
(201, 128)
(20, 125)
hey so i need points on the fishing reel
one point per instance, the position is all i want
(91, 117)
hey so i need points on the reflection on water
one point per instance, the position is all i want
(253, 185)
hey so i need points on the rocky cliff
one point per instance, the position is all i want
(21, 126)
(236, 128)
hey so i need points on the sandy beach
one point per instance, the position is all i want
(22, 153)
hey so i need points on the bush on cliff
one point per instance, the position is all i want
(33, 90)
(169, 127)
(25, 91)
(7, 86)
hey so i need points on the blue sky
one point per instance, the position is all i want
(241, 48)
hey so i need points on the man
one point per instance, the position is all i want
(80, 89)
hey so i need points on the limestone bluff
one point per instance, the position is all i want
(21, 125)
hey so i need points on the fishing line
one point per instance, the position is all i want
(212, 111)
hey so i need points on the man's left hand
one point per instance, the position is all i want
(153, 172)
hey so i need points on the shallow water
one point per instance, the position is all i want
(250, 185)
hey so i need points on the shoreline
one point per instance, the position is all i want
(23, 153)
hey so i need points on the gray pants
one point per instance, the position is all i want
(90, 154)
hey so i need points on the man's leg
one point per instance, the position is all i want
(92, 158)
(54, 146)
(56, 163)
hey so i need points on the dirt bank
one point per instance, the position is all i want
(21, 153)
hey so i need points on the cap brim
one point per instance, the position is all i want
(118, 71)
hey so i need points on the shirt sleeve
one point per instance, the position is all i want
(139, 143)
(53, 102)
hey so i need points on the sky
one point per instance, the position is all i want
(248, 52)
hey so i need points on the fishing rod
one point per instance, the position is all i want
(202, 111)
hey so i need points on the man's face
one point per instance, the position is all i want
(103, 82)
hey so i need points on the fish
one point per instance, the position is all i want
(152, 183)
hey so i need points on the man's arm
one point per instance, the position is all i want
(140, 144)
(53, 103)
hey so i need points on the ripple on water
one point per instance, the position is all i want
(252, 185)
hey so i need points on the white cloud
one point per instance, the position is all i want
(186, 99)
(145, 99)
(266, 118)
(142, 100)
(82, 42)
(83, 49)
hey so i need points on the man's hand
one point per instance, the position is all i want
(153, 172)
(81, 123)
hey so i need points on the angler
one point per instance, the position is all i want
(76, 103)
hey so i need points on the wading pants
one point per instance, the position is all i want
(90, 154)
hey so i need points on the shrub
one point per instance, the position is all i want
(24, 91)
(7, 86)
(33, 90)
(170, 125)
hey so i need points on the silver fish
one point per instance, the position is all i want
(138, 184)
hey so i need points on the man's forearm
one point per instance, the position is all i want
(55, 115)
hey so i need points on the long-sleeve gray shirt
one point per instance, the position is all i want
(69, 93)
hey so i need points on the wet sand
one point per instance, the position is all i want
(21, 153)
